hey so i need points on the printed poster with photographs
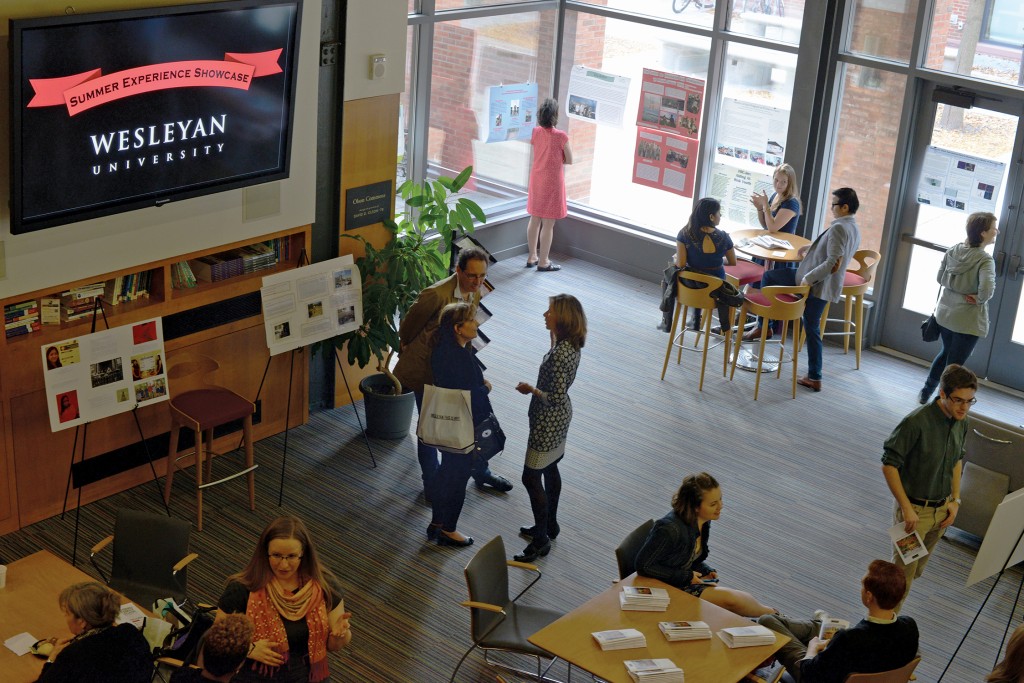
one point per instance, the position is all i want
(512, 112)
(752, 134)
(733, 187)
(104, 373)
(671, 103)
(596, 96)
(664, 161)
(959, 182)
(309, 304)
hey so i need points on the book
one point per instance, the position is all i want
(49, 311)
(747, 636)
(908, 545)
(831, 626)
(685, 630)
(643, 599)
(620, 639)
(654, 671)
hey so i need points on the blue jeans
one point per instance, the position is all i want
(449, 491)
(957, 347)
(813, 309)
(427, 455)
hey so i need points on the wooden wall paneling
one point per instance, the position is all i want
(8, 490)
(369, 154)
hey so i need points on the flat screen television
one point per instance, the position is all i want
(117, 111)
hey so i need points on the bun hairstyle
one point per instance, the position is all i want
(701, 216)
(688, 498)
(451, 315)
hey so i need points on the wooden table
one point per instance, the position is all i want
(29, 603)
(781, 255)
(702, 661)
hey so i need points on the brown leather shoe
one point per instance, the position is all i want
(806, 381)
(755, 335)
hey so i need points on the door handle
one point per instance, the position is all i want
(1000, 261)
(1015, 266)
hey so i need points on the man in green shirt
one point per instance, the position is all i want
(922, 464)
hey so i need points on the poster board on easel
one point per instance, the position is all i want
(313, 303)
(1001, 547)
(105, 373)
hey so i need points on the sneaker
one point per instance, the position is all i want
(820, 615)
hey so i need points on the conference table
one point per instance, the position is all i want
(29, 603)
(702, 661)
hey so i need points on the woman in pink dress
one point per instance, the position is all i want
(545, 199)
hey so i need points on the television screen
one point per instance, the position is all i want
(120, 110)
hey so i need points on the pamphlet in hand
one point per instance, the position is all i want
(908, 545)
(831, 626)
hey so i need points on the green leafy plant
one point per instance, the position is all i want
(412, 259)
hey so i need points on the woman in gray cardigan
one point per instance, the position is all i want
(968, 279)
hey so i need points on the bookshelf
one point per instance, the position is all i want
(34, 461)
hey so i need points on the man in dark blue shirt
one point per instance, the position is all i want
(880, 642)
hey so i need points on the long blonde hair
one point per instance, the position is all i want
(791, 187)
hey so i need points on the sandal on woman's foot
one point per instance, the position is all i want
(531, 264)
(549, 268)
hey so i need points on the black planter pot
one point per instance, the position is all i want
(387, 416)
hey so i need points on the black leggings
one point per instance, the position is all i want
(544, 487)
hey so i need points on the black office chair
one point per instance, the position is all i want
(498, 622)
(150, 557)
(625, 554)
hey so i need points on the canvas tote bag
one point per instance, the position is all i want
(446, 420)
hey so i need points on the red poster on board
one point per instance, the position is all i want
(671, 103)
(664, 161)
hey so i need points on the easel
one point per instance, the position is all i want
(1007, 513)
(98, 306)
(303, 261)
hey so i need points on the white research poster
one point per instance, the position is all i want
(596, 96)
(309, 304)
(97, 375)
(959, 182)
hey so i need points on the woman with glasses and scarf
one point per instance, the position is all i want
(294, 603)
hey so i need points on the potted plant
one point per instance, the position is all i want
(392, 278)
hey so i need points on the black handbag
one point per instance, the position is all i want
(490, 440)
(727, 294)
(930, 329)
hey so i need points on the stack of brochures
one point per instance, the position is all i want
(685, 630)
(747, 636)
(620, 639)
(643, 599)
(654, 671)
(769, 242)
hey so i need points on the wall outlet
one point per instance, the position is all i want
(378, 67)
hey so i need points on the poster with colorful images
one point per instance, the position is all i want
(664, 161)
(309, 304)
(104, 373)
(671, 103)
(751, 133)
(512, 112)
(734, 187)
(596, 96)
(959, 182)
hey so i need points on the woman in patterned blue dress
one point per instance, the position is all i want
(550, 414)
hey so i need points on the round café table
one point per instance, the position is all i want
(741, 240)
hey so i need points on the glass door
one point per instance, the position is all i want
(964, 159)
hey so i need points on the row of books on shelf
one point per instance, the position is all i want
(232, 263)
(21, 318)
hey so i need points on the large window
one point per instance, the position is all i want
(978, 38)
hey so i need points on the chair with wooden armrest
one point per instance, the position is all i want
(626, 553)
(200, 406)
(900, 675)
(150, 557)
(498, 622)
(773, 303)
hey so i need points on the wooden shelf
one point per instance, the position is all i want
(30, 453)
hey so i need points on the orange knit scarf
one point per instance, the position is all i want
(267, 607)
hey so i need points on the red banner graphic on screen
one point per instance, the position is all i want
(81, 92)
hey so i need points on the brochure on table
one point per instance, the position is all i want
(959, 182)
(105, 373)
(512, 112)
(596, 96)
(733, 187)
(309, 304)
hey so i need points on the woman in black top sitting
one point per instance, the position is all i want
(455, 366)
(677, 547)
(293, 603)
(98, 651)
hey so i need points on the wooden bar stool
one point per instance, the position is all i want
(687, 298)
(855, 285)
(773, 303)
(201, 406)
(744, 273)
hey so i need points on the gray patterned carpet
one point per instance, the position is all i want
(806, 507)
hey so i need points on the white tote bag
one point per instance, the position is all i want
(446, 420)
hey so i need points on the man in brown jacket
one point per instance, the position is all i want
(417, 336)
